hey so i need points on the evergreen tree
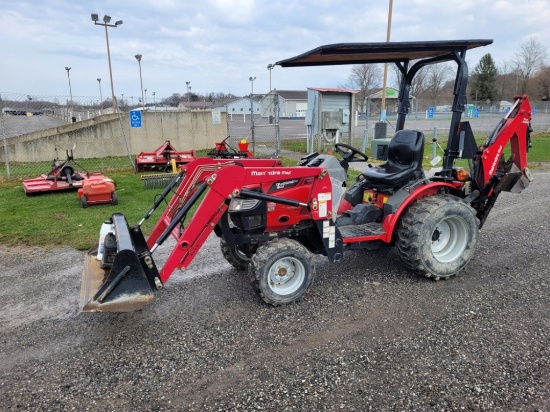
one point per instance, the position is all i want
(484, 80)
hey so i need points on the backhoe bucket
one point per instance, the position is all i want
(130, 281)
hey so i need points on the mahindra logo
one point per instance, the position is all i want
(283, 185)
(497, 158)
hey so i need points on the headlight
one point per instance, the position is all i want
(238, 204)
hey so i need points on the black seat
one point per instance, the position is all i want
(405, 153)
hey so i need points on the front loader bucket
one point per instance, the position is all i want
(126, 286)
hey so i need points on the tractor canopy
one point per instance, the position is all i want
(388, 52)
(409, 58)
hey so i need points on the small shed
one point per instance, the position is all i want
(328, 115)
(392, 99)
(504, 106)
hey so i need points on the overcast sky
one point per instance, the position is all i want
(217, 45)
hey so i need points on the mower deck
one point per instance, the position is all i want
(160, 159)
(48, 183)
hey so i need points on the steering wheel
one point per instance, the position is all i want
(350, 153)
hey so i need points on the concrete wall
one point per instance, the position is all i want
(106, 135)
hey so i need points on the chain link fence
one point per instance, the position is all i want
(261, 129)
(35, 130)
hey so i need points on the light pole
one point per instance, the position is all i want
(100, 96)
(106, 20)
(252, 113)
(70, 91)
(188, 94)
(138, 58)
(145, 97)
(270, 67)
(154, 101)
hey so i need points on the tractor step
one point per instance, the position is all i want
(367, 229)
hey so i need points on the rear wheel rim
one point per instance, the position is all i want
(449, 239)
(286, 276)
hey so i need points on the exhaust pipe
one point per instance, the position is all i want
(125, 278)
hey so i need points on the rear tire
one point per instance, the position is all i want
(437, 237)
(84, 201)
(114, 198)
(237, 257)
(282, 270)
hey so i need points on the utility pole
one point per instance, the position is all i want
(383, 109)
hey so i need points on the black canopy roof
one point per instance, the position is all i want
(360, 53)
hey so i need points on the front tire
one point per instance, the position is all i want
(282, 270)
(238, 258)
(437, 237)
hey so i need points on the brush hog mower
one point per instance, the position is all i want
(63, 176)
(271, 219)
(165, 159)
(161, 158)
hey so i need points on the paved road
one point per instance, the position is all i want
(368, 336)
(18, 125)
(293, 128)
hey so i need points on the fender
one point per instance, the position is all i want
(403, 198)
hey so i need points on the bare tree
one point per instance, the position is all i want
(503, 82)
(418, 85)
(364, 77)
(437, 76)
(542, 81)
(527, 61)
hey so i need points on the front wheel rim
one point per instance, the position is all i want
(449, 239)
(286, 276)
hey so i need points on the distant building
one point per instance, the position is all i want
(392, 99)
(240, 105)
(291, 103)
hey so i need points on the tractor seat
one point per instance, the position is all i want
(405, 153)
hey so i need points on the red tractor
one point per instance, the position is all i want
(271, 219)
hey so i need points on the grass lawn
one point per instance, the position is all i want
(57, 219)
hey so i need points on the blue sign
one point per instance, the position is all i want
(534, 109)
(430, 113)
(476, 113)
(135, 118)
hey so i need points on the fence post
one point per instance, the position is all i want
(434, 147)
(5, 139)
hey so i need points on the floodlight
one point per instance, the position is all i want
(95, 17)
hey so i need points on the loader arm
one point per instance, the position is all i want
(193, 174)
(212, 187)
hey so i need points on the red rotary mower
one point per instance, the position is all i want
(271, 219)
(162, 158)
(62, 177)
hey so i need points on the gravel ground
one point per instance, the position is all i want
(368, 336)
